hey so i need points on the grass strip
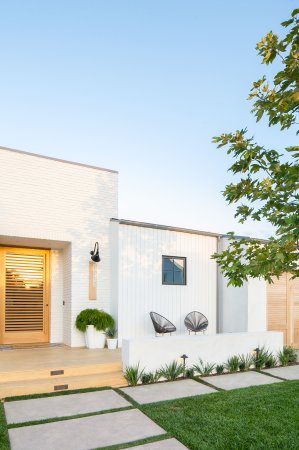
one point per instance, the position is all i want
(60, 419)
(161, 437)
(4, 439)
(55, 394)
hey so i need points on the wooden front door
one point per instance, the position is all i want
(24, 295)
(283, 308)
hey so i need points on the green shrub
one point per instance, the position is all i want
(291, 352)
(283, 358)
(245, 362)
(204, 369)
(99, 318)
(271, 361)
(145, 378)
(111, 332)
(287, 355)
(219, 369)
(172, 371)
(155, 376)
(260, 358)
(189, 372)
(232, 364)
(133, 375)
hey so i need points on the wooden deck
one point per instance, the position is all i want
(39, 370)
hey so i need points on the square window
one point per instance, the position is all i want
(173, 270)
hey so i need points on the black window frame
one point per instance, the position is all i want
(184, 272)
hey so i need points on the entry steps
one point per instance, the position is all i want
(40, 381)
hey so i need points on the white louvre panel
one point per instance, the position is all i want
(24, 292)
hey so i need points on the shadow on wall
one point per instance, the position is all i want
(92, 223)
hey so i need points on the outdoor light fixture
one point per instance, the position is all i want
(95, 253)
(184, 357)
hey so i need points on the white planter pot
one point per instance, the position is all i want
(112, 344)
(94, 338)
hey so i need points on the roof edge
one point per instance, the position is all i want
(164, 227)
(57, 159)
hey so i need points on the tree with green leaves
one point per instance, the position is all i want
(268, 181)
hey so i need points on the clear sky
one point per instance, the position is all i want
(139, 86)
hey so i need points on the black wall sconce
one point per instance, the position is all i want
(95, 253)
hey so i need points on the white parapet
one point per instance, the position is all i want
(152, 353)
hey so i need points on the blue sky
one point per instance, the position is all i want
(139, 86)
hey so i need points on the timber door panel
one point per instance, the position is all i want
(24, 295)
(295, 311)
(283, 308)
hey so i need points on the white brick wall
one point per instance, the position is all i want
(42, 198)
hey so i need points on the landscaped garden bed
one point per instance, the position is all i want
(260, 359)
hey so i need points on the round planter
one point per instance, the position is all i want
(94, 338)
(112, 344)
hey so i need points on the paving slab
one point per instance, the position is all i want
(240, 380)
(159, 392)
(64, 405)
(166, 444)
(288, 372)
(85, 433)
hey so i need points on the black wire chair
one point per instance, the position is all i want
(196, 322)
(161, 324)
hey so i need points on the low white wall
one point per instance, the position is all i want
(152, 353)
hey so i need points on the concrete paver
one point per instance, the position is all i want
(166, 391)
(64, 405)
(288, 372)
(85, 433)
(240, 380)
(167, 444)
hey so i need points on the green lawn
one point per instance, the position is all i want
(257, 418)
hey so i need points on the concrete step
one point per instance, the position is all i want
(45, 385)
(59, 372)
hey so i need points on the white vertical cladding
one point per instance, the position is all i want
(54, 200)
(114, 268)
(140, 279)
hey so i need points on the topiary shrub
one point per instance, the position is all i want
(100, 319)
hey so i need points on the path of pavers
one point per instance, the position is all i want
(166, 391)
(289, 372)
(166, 444)
(85, 433)
(240, 380)
(113, 428)
(61, 406)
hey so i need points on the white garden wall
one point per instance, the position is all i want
(140, 288)
(51, 200)
(152, 353)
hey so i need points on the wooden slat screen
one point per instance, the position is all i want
(24, 292)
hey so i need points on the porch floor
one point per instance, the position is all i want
(38, 370)
(55, 357)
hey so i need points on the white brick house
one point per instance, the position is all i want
(62, 208)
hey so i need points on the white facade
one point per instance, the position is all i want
(140, 288)
(47, 203)
(241, 308)
(67, 207)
